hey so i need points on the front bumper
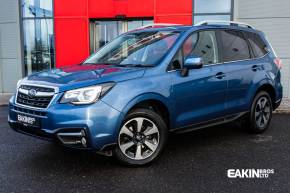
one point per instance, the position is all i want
(100, 122)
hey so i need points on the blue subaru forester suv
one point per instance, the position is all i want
(125, 98)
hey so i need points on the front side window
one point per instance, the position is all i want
(234, 46)
(139, 48)
(202, 44)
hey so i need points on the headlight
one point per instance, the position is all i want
(86, 95)
(18, 83)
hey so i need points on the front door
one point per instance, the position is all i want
(201, 95)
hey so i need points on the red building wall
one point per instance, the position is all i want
(173, 11)
(72, 21)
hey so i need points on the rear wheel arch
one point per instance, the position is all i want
(269, 89)
(259, 117)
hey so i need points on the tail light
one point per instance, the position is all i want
(278, 63)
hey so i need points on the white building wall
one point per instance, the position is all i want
(273, 18)
(10, 46)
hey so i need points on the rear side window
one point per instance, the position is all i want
(234, 46)
(258, 46)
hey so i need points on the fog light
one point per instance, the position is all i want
(84, 141)
(83, 133)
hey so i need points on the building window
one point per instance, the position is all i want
(212, 10)
(38, 35)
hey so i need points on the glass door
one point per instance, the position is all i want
(102, 32)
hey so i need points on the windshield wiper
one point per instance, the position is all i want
(137, 65)
(98, 63)
(121, 65)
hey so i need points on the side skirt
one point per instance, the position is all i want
(210, 123)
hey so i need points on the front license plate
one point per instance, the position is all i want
(28, 120)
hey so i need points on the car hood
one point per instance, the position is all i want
(80, 76)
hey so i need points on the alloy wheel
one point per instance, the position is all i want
(262, 112)
(138, 138)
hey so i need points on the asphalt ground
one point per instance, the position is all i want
(192, 162)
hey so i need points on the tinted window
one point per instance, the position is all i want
(202, 44)
(234, 46)
(258, 46)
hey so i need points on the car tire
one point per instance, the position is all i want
(259, 118)
(141, 138)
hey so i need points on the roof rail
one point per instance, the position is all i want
(221, 22)
(158, 25)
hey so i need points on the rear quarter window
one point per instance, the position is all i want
(258, 45)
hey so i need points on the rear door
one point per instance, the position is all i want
(242, 69)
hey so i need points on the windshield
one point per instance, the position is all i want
(139, 48)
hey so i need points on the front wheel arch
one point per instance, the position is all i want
(158, 99)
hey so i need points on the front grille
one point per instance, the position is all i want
(28, 111)
(39, 89)
(40, 99)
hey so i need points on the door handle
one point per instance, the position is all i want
(220, 75)
(255, 68)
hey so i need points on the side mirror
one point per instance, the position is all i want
(191, 62)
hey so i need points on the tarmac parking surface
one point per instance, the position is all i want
(192, 162)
